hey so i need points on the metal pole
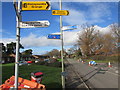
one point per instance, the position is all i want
(63, 78)
(18, 19)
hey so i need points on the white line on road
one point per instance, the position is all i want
(113, 73)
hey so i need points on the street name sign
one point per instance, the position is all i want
(35, 5)
(69, 27)
(34, 24)
(60, 12)
(54, 36)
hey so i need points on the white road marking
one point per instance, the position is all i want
(113, 73)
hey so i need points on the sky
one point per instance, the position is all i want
(100, 14)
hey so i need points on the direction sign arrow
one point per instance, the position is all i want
(34, 24)
(60, 12)
(35, 5)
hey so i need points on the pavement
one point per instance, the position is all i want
(99, 76)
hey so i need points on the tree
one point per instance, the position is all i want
(3, 48)
(86, 39)
(11, 48)
(71, 51)
(98, 43)
(108, 43)
(27, 52)
(116, 30)
(116, 34)
(54, 52)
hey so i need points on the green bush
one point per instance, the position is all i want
(55, 64)
(104, 58)
(41, 63)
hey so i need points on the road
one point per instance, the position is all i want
(100, 76)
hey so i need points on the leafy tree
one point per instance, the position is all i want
(11, 48)
(3, 48)
(54, 52)
(27, 52)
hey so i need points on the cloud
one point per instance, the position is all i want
(7, 40)
(75, 17)
(103, 30)
(95, 13)
(34, 41)
(98, 10)
(70, 38)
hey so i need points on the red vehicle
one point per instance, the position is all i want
(29, 61)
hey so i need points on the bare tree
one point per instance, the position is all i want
(116, 30)
(86, 39)
(108, 43)
(98, 43)
(116, 34)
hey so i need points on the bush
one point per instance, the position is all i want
(55, 64)
(41, 63)
(104, 58)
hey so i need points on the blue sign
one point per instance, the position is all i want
(53, 36)
(69, 27)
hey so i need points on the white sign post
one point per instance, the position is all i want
(34, 24)
(71, 27)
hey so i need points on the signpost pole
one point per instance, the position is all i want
(63, 78)
(18, 19)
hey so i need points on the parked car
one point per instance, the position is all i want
(22, 63)
(46, 60)
(29, 62)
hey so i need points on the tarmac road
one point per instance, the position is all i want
(99, 76)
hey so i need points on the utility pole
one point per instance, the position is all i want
(63, 77)
(18, 19)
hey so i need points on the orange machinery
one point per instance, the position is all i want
(23, 84)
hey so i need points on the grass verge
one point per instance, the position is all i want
(51, 78)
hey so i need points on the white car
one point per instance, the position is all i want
(22, 63)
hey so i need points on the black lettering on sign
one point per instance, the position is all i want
(25, 5)
(53, 12)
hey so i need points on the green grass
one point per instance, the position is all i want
(59, 60)
(102, 59)
(51, 78)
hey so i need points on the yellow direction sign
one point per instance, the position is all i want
(35, 5)
(60, 12)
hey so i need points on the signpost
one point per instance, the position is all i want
(35, 5)
(34, 24)
(69, 27)
(54, 36)
(26, 5)
(62, 59)
(18, 19)
(60, 12)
